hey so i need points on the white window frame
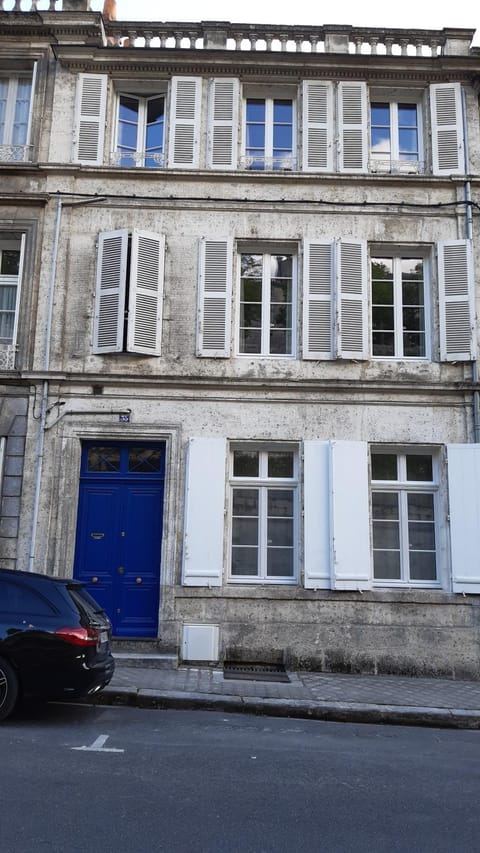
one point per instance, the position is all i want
(267, 250)
(397, 253)
(263, 483)
(140, 155)
(9, 150)
(287, 94)
(8, 349)
(393, 164)
(402, 487)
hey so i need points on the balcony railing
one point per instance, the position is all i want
(139, 158)
(15, 153)
(286, 163)
(7, 356)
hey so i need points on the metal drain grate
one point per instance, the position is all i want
(255, 672)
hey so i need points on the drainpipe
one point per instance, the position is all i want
(46, 367)
(469, 236)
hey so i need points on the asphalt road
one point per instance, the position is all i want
(80, 778)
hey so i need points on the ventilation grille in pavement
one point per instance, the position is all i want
(255, 671)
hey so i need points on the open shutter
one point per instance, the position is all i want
(204, 512)
(215, 298)
(146, 293)
(110, 292)
(352, 299)
(89, 133)
(353, 127)
(316, 515)
(350, 523)
(185, 108)
(19, 279)
(456, 300)
(317, 300)
(448, 147)
(317, 126)
(464, 505)
(223, 123)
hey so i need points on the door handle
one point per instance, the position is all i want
(139, 580)
(95, 580)
(121, 570)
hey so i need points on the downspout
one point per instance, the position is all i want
(469, 236)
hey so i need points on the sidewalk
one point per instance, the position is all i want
(308, 695)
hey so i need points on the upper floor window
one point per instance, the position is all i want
(398, 307)
(15, 99)
(11, 260)
(395, 136)
(140, 131)
(269, 133)
(266, 304)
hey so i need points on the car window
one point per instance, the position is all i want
(84, 601)
(19, 599)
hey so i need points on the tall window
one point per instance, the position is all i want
(394, 135)
(264, 515)
(398, 307)
(403, 518)
(266, 304)
(10, 265)
(15, 95)
(269, 133)
(140, 132)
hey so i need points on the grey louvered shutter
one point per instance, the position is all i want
(223, 123)
(352, 299)
(353, 127)
(456, 300)
(317, 126)
(447, 129)
(110, 292)
(146, 293)
(184, 138)
(214, 298)
(89, 125)
(317, 300)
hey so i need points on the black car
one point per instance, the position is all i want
(54, 639)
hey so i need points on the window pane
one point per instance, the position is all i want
(244, 561)
(250, 341)
(408, 143)
(250, 316)
(386, 534)
(420, 507)
(281, 266)
(386, 565)
(8, 297)
(103, 460)
(245, 531)
(383, 344)
(414, 344)
(407, 115)
(413, 319)
(421, 536)
(9, 262)
(251, 266)
(251, 290)
(283, 112)
(255, 138)
(423, 566)
(145, 460)
(382, 318)
(419, 468)
(382, 293)
(380, 114)
(280, 563)
(280, 532)
(22, 109)
(280, 464)
(128, 109)
(280, 503)
(245, 463)
(380, 141)
(245, 502)
(382, 269)
(255, 110)
(384, 506)
(384, 466)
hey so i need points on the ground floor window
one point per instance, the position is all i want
(263, 484)
(403, 493)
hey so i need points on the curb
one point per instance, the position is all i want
(342, 712)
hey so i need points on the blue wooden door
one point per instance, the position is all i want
(119, 533)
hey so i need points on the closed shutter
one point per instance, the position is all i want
(317, 300)
(350, 522)
(214, 298)
(185, 109)
(89, 132)
(448, 147)
(223, 123)
(110, 292)
(352, 300)
(316, 515)
(317, 126)
(204, 512)
(353, 127)
(464, 506)
(456, 300)
(146, 293)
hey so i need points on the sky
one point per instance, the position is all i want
(408, 14)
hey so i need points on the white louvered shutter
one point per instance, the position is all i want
(184, 139)
(456, 300)
(317, 300)
(316, 515)
(353, 127)
(464, 510)
(204, 523)
(350, 520)
(110, 292)
(215, 298)
(352, 299)
(89, 129)
(223, 123)
(448, 147)
(146, 293)
(317, 126)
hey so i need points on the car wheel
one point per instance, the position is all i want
(8, 689)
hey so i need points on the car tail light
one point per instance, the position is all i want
(79, 636)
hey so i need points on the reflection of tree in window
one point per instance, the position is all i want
(266, 304)
(398, 307)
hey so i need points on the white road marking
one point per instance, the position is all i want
(98, 746)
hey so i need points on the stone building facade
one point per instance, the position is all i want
(239, 386)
